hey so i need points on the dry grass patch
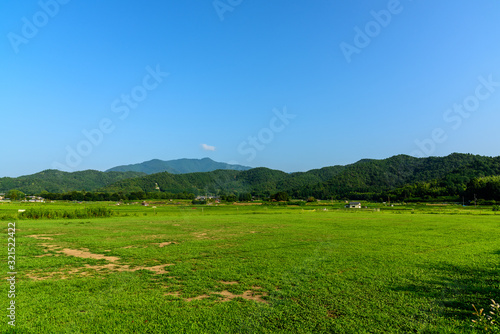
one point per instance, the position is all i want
(225, 296)
(163, 244)
(42, 236)
(85, 253)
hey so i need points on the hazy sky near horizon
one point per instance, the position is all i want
(290, 85)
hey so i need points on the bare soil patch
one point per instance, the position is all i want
(86, 254)
(248, 295)
(163, 244)
(226, 296)
(42, 236)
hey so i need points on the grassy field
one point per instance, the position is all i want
(252, 269)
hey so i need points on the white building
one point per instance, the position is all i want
(354, 205)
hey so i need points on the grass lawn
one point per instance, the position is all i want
(252, 269)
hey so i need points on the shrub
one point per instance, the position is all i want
(282, 196)
(42, 213)
(299, 203)
(496, 207)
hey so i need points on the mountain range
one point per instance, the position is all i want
(400, 176)
(179, 166)
(367, 178)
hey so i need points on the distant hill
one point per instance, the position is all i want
(456, 176)
(56, 181)
(365, 179)
(180, 166)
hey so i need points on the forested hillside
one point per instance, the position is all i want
(400, 177)
(56, 181)
(455, 177)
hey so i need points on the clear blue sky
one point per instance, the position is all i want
(69, 67)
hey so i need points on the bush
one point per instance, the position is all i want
(282, 196)
(486, 202)
(42, 213)
(496, 207)
(245, 197)
(8, 218)
(299, 203)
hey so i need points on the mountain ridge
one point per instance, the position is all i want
(177, 166)
(400, 176)
(368, 178)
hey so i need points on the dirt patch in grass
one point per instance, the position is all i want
(155, 236)
(88, 269)
(226, 296)
(133, 246)
(174, 294)
(163, 244)
(83, 253)
(86, 254)
(58, 274)
(197, 298)
(42, 236)
(248, 295)
(160, 269)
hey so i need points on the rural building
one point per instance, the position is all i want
(206, 198)
(34, 199)
(2, 196)
(354, 205)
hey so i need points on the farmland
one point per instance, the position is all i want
(179, 268)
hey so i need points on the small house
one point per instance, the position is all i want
(353, 205)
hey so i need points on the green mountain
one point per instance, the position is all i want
(398, 178)
(373, 177)
(365, 179)
(55, 181)
(180, 166)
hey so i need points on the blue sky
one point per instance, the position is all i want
(290, 85)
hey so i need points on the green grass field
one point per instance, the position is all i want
(252, 269)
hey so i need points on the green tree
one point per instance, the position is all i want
(245, 197)
(311, 199)
(15, 194)
(282, 196)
